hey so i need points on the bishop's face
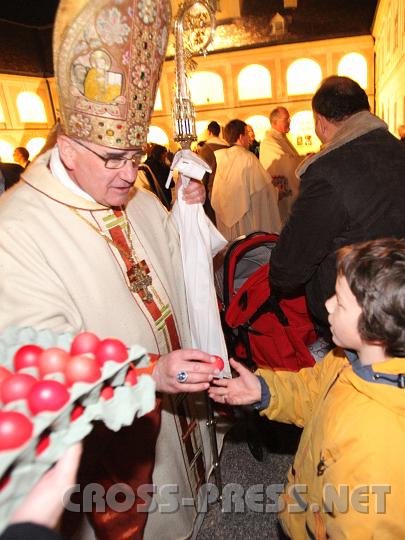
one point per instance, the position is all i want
(106, 174)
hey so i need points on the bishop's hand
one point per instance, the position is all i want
(184, 370)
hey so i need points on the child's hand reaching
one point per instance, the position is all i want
(244, 390)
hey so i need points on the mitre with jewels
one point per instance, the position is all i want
(108, 57)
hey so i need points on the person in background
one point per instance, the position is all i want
(243, 195)
(279, 157)
(347, 477)
(214, 142)
(352, 190)
(254, 146)
(153, 173)
(21, 156)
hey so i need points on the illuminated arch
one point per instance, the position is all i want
(6, 151)
(35, 145)
(354, 65)
(260, 125)
(303, 77)
(31, 108)
(302, 132)
(158, 101)
(206, 87)
(2, 118)
(157, 135)
(254, 82)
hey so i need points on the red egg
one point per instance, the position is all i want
(107, 393)
(85, 342)
(219, 363)
(27, 356)
(43, 443)
(17, 386)
(15, 429)
(131, 377)
(52, 360)
(82, 369)
(47, 396)
(111, 349)
(77, 412)
(4, 374)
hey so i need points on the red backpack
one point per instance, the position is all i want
(260, 330)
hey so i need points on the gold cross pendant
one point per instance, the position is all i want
(140, 280)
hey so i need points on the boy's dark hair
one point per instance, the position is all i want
(375, 272)
(214, 128)
(233, 130)
(338, 98)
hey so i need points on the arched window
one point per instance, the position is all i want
(31, 108)
(254, 82)
(302, 133)
(157, 135)
(354, 65)
(6, 151)
(303, 77)
(260, 125)
(206, 87)
(35, 145)
(201, 127)
(158, 101)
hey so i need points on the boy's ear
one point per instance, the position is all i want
(68, 152)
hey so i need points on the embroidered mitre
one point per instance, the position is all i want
(108, 57)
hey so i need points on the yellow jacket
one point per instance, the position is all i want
(348, 476)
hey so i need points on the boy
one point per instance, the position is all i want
(347, 478)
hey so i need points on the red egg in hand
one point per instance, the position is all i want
(111, 349)
(17, 386)
(27, 356)
(219, 363)
(82, 369)
(15, 429)
(47, 396)
(52, 360)
(83, 343)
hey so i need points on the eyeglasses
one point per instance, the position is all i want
(113, 163)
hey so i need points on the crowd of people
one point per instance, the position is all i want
(88, 241)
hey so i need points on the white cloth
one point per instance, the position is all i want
(199, 242)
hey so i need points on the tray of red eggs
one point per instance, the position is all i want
(52, 388)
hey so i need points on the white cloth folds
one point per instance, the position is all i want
(199, 242)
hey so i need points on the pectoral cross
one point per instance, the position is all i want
(140, 280)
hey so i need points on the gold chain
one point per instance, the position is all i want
(130, 254)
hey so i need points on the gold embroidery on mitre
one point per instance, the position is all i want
(108, 56)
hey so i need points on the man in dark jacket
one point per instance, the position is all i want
(352, 190)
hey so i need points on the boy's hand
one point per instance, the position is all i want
(244, 390)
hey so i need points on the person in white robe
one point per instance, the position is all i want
(243, 196)
(280, 158)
